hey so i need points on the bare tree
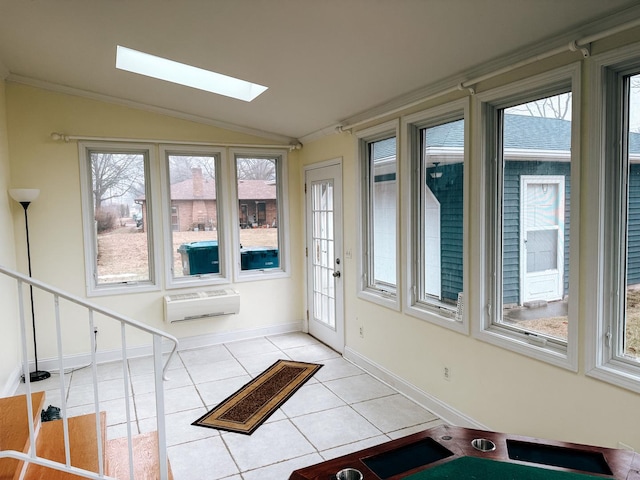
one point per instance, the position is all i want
(181, 166)
(556, 106)
(256, 169)
(116, 175)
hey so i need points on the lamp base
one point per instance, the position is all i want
(37, 376)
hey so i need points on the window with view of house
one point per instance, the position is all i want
(118, 223)
(437, 190)
(529, 162)
(195, 244)
(379, 183)
(616, 323)
(259, 193)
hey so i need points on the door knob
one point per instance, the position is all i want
(336, 274)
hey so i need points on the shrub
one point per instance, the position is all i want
(105, 220)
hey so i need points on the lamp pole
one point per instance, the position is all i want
(25, 197)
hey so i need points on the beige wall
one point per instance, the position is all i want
(502, 390)
(9, 338)
(56, 223)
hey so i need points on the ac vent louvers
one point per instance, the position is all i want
(211, 303)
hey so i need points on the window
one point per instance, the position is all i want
(261, 213)
(529, 163)
(615, 331)
(118, 217)
(436, 140)
(195, 246)
(379, 183)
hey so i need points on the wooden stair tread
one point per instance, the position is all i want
(145, 457)
(82, 443)
(14, 428)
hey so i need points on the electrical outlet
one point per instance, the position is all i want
(446, 373)
(361, 331)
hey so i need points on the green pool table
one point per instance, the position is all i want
(447, 452)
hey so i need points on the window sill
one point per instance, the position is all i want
(121, 289)
(383, 299)
(441, 319)
(560, 357)
(616, 376)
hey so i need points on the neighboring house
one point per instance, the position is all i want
(537, 174)
(194, 207)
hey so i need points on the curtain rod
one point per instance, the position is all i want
(67, 138)
(583, 45)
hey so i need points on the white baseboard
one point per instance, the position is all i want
(187, 343)
(12, 382)
(431, 403)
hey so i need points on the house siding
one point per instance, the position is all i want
(448, 190)
(513, 170)
(633, 246)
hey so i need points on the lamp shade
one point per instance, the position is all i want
(24, 194)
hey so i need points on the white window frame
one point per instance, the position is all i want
(489, 278)
(366, 291)
(457, 320)
(284, 268)
(605, 302)
(224, 276)
(88, 222)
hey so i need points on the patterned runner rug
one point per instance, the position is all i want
(249, 407)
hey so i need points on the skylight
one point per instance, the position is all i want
(164, 69)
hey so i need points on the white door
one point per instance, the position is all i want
(542, 237)
(323, 186)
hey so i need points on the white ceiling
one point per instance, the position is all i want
(324, 61)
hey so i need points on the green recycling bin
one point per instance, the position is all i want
(258, 258)
(199, 257)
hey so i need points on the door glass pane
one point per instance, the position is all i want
(630, 331)
(194, 218)
(534, 199)
(122, 223)
(323, 252)
(542, 250)
(257, 187)
(441, 214)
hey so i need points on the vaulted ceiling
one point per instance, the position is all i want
(324, 61)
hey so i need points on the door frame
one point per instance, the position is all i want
(338, 340)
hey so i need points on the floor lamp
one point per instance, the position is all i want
(25, 196)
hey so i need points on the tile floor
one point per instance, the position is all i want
(340, 410)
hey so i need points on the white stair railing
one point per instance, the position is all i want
(160, 374)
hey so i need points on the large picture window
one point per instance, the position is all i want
(379, 184)
(615, 332)
(436, 145)
(118, 217)
(195, 245)
(529, 161)
(260, 208)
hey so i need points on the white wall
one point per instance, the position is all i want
(9, 338)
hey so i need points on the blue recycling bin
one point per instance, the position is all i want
(258, 258)
(200, 257)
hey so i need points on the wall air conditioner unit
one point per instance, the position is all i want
(212, 303)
